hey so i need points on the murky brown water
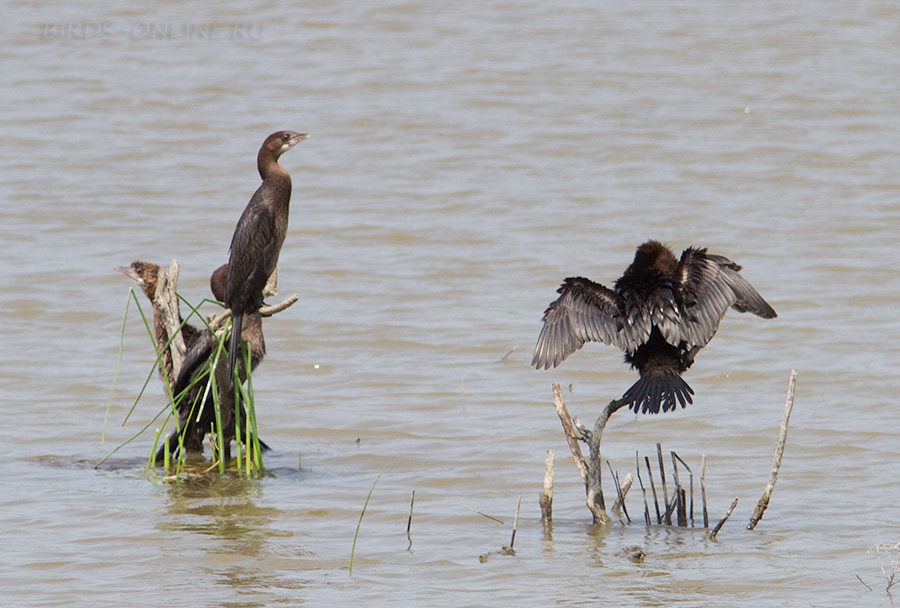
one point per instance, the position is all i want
(464, 159)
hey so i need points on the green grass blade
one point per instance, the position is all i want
(359, 523)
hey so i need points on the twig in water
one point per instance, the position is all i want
(621, 490)
(504, 550)
(499, 521)
(662, 478)
(653, 488)
(546, 496)
(412, 500)
(637, 461)
(890, 569)
(779, 453)
(703, 489)
(676, 457)
(715, 531)
(512, 540)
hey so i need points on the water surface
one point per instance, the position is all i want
(464, 159)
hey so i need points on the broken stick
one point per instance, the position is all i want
(779, 453)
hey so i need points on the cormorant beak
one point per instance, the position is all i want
(296, 140)
(131, 273)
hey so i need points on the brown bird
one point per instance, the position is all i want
(660, 313)
(258, 236)
(197, 417)
(146, 275)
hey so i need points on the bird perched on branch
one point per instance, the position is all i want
(258, 236)
(196, 416)
(660, 313)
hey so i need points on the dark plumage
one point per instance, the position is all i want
(195, 416)
(660, 313)
(258, 236)
(146, 275)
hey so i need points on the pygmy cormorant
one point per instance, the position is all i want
(660, 313)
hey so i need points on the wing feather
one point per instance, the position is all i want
(584, 312)
(708, 285)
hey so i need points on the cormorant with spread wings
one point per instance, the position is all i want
(660, 313)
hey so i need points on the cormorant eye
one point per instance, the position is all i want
(285, 136)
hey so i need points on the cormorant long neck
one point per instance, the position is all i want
(276, 186)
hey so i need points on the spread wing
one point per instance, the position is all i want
(584, 312)
(707, 286)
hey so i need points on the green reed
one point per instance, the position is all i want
(204, 387)
(359, 523)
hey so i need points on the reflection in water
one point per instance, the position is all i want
(221, 506)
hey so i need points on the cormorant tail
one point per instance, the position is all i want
(235, 346)
(649, 395)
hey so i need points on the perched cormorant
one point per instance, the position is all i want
(660, 313)
(199, 418)
(258, 236)
(146, 275)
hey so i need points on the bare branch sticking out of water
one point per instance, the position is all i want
(505, 550)
(491, 517)
(662, 479)
(715, 531)
(779, 453)
(412, 501)
(590, 469)
(512, 540)
(890, 564)
(653, 488)
(546, 496)
(703, 489)
(675, 460)
(167, 304)
(618, 507)
(637, 462)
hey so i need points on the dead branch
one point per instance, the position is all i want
(779, 453)
(546, 496)
(512, 540)
(653, 488)
(590, 469)
(703, 489)
(166, 303)
(637, 462)
(715, 531)
(412, 501)
(621, 490)
(662, 478)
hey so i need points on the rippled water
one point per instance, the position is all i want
(464, 159)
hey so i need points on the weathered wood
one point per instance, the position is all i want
(637, 461)
(662, 480)
(779, 453)
(653, 488)
(621, 491)
(590, 468)
(703, 490)
(715, 531)
(546, 496)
